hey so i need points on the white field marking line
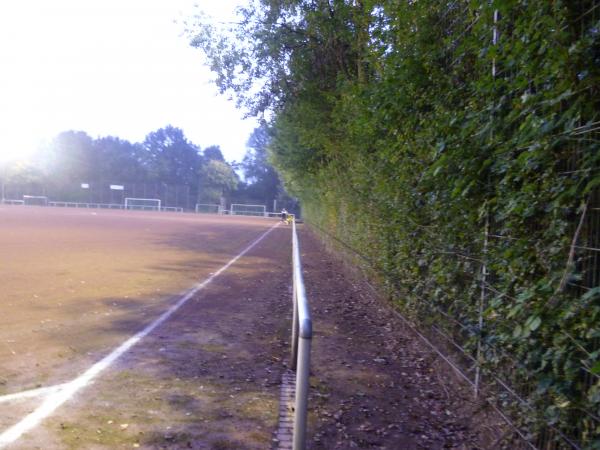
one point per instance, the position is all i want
(32, 393)
(56, 399)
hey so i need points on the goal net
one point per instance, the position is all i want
(39, 200)
(171, 209)
(208, 208)
(146, 204)
(248, 210)
(8, 201)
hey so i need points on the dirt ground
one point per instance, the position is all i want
(77, 282)
(209, 377)
(375, 384)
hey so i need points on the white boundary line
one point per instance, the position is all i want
(32, 393)
(68, 390)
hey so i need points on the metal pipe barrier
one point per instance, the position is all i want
(301, 343)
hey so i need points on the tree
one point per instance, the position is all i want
(117, 160)
(288, 60)
(170, 158)
(214, 152)
(70, 157)
(217, 180)
(68, 161)
(279, 48)
(263, 183)
(21, 178)
(389, 123)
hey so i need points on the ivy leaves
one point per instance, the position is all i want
(390, 125)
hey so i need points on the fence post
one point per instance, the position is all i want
(485, 242)
(483, 288)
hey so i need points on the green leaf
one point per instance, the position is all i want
(514, 311)
(525, 295)
(592, 293)
(518, 331)
(535, 323)
(594, 183)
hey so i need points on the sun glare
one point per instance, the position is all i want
(18, 145)
(102, 83)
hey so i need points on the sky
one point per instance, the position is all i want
(109, 67)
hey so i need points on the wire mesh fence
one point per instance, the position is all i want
(111, 194)
(488, 367)
(103, 192)
(507, 262)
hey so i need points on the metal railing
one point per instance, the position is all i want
(59, 204)
(8, 201)
(301, 343)
(86, 205)
(65, 204)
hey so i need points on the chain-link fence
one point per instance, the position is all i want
(105, 192)
(536, 363)
(115, 192)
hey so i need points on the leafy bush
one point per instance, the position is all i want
(463, 169)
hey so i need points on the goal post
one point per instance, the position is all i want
(241, 209)
(38, 200)
(208, 208)
(145, 204)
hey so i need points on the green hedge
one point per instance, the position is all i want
(433, 150)
(391, 126)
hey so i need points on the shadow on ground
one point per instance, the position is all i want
(207, 378)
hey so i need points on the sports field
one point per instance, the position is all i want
(77, 284)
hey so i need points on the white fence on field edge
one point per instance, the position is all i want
(227, 212)
(171, 209)
(145, 204)
(208, 208)
(242, 209)
(267, 215)
(36, 200)
(86, 205)
(8, 201)
(59, 204)
(200, 208)
(277, 215)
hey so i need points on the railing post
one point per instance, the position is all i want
(302, 385)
